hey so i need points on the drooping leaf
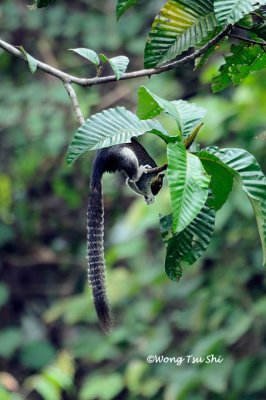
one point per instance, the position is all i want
(88, 54)
(181, 24)
(188, 246)
(41, 3)
(119, 65)
(248, 173)
(188, 184)
(107, 128)
(222, 178)
(190, 116)
(31, 60)
(231, 11)
(123, 5)
(242, 61)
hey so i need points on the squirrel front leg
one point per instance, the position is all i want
(142, 169)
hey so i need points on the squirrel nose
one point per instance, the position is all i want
(149, 200)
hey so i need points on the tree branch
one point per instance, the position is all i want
(66, 78)
(74, 101)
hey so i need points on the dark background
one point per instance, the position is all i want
(51, 346)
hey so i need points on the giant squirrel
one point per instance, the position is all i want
(134, 161)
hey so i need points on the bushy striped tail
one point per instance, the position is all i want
(96, 262)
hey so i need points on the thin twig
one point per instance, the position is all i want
(247, 39)
(157, 170)
(66, 78)
(74, 100)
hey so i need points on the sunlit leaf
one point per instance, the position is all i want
(181, 24)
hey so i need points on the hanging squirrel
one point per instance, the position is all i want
(133, 160)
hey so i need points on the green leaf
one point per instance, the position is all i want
(10, 340)
(230, 11)
(188, 246)
(123, 5)
(150, 105)
(105, 387)
(248, 173)
(88, 54)
(222, 179)
(181, 24)
(242, 61)
(188, 184)
(187, 115)
(31, 61)
(190, 116)
(41, 3)
(37, 354)
(47, 389)
(260, 29)
(108, 128)
(4, 294)
(119, 65)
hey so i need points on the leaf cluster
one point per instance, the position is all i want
(199, 182)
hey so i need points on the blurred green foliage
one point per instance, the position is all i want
(51, 346)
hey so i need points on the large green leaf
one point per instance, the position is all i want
(231, 11)
(187, 115)
(188, 184)
(222, 178)
(190, 116)
(123, 5)
(107, 128)
(150, 105)
(181, 24)
(188, 246)
(247, 171)
(242, 61)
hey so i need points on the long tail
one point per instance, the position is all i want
(96, 263)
